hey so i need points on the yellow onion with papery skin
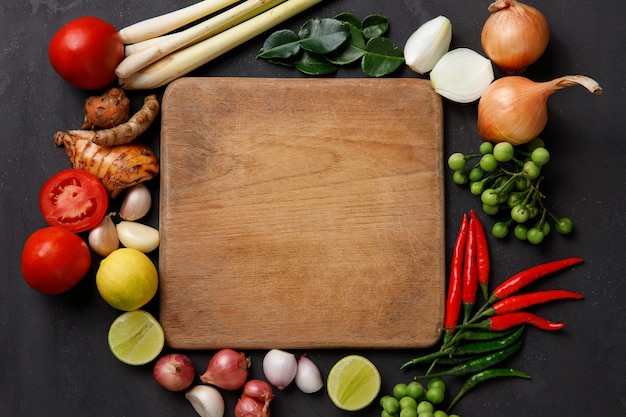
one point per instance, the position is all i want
(514, 108)
(514, 36)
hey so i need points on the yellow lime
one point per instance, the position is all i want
(127, 279)
(353, 383)
(136, 337)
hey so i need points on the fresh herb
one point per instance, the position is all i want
(322, 46)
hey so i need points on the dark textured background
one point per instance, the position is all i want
(54, 358)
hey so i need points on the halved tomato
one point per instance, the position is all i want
(73, 199)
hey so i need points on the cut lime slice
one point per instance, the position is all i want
(353, 383)
(136, 337)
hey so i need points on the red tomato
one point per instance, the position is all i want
(73, 199)
(85, 52)
(54, 260)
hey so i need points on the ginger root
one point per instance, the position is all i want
(106, 111)
(126, 132)
(117, 167)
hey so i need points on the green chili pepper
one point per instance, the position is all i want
(470, 349)
(476, 335)
(428, 358)
(479, 364)
(487, 346)
(483, 376)
(456, 360)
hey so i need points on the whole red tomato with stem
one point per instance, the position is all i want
(85, 52)
(73, 199)
(54, 260)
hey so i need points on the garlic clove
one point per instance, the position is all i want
(138, 236)
(428, 44)
(103, 238)
(462, 75)
(206, 400)
(137, 202)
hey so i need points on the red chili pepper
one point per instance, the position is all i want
(453, 301)
(523, 278)
(482, 255)
(522, 301)
(470, 277)
(506, 321)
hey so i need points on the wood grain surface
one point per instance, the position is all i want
(301, 213)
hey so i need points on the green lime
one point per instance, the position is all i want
(127, 279)
(353, 383)
(136, 337)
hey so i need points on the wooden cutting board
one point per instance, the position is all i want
(301, 213)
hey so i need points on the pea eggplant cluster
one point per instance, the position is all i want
(476, 341)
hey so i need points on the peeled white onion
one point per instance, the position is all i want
(462, 75)
(428, 44)
(206, 400)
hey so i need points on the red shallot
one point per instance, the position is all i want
(174, 372)
(249, 407)
(227, 369)
(259, 390)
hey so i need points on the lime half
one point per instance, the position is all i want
(136, 337)
(353, 383)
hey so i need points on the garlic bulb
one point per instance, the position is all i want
(462, 75)
(428, 44)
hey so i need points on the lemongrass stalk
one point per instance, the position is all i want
(140, 46)
(133, 48)
(188, 59)
(160, 25)
(209, 27)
